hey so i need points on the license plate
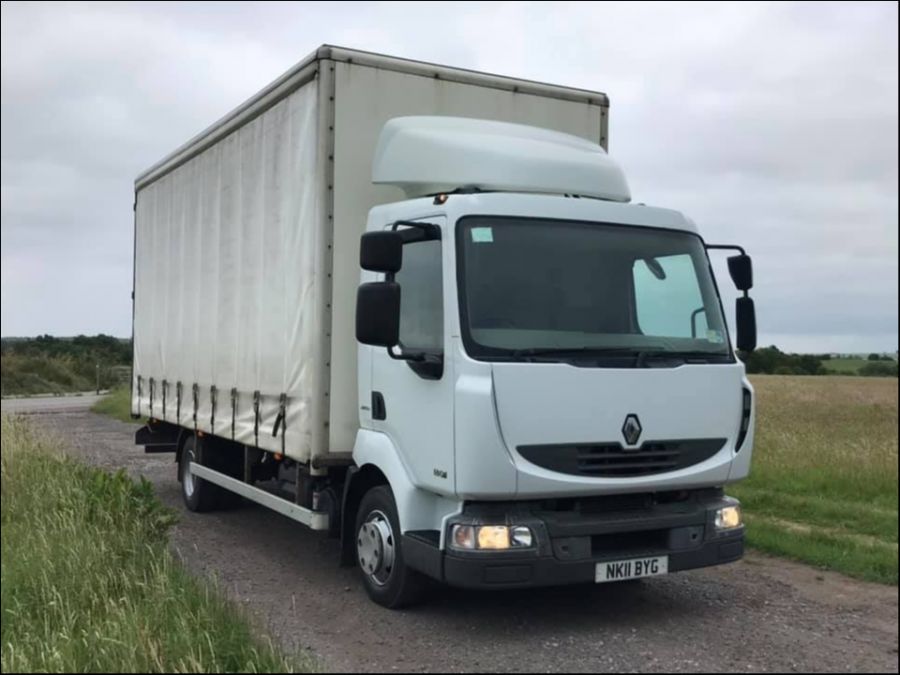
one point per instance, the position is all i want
(636, 568)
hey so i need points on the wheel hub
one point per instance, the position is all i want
(375, 547)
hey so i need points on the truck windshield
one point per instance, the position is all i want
(537, 289)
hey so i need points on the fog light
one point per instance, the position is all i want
(493, 537)
(728, 518)
(463, 536)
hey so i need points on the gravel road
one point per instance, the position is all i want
(760, 614)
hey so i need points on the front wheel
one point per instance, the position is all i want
(379, 553)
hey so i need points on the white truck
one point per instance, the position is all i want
(413, 306)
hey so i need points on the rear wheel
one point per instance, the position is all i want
(199, 495)
(379, 553)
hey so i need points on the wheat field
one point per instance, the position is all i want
(823, 484)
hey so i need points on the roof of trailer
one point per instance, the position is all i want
(305, 71)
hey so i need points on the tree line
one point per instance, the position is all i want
(773, 361)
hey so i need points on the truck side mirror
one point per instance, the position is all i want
(378, 313)
(381, 251)
(740, 267)
(745, 313)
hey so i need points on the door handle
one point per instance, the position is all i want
(379, 412)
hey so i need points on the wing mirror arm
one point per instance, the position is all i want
(416, 231)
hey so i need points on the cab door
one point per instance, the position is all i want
(412, 401)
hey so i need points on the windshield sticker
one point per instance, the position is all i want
(482, 235)
(715, 336)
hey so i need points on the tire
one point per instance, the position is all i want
(379, 553)
(199, 495)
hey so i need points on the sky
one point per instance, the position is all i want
(772, 125)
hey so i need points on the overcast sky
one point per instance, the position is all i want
(771, 125)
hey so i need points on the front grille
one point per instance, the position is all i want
(611, 460)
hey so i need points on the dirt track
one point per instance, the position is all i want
(757, 615)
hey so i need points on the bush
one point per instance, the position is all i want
(772, 360)
(49, 365)
(879, 369)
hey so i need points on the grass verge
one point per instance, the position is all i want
(88, 582)
(823, 485)
(115, 404)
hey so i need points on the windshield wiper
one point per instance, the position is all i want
(576, 351)
(695, 356)
(640, 355)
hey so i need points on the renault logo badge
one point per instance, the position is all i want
(631, 430)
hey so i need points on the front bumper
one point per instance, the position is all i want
(569, 545)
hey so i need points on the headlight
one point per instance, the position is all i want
(490, 537)
(494, 537)
(463, 537)
(521, 537)
(728, 518)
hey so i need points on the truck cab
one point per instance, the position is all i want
(546, 378)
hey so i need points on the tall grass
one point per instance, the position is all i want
(823, 485)
(89, 584)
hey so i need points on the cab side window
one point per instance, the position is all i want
(421, 297)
